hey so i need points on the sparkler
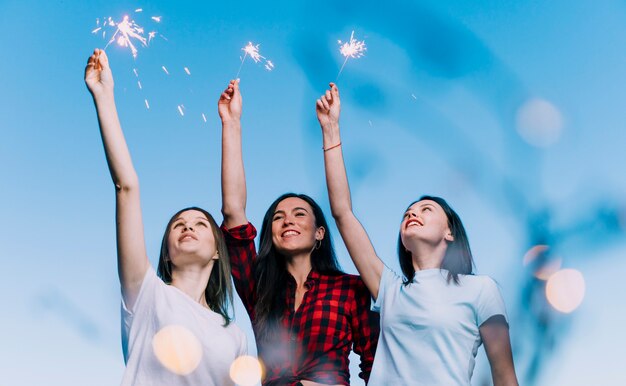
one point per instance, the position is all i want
(352, 49)
(127, 33)
(253, 51)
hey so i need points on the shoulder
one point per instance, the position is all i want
(480, 285)
(481, 281)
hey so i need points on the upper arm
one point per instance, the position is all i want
(242, 252)
(495, 335)
(131, 251)
(361, 251)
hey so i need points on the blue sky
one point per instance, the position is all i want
(431, 108)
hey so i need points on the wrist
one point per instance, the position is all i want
(330, 127)
(102, 95)
(231, 124)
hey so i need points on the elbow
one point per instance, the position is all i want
(340, 214)
(127, 185)
(232, 211)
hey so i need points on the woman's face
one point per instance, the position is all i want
(425, 222)
(293, 227)
(191, 237)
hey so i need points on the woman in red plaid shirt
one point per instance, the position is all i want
(307, 315)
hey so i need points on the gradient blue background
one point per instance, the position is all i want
(430, 109)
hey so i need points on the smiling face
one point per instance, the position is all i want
(294, 230)
(425, 222)
(191, 237)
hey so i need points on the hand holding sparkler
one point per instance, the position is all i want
(328, 107)
(98, 75)
(229, 104)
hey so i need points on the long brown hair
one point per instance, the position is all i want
(270, 268)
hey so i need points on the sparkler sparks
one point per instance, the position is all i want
(127, 30)
(352, 49)
(252, 51)
(127, 33)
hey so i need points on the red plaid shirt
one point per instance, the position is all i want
(317, 338)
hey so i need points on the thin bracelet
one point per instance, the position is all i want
(331, 147)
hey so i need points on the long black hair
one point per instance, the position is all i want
(458, 258)
(270, 268)
(218, 292)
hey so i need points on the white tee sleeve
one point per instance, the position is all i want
(387, 280)
(490, 302)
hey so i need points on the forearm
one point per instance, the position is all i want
(234, 193)
(336, 177)
(115, 148)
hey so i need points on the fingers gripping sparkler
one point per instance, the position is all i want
(352, 49)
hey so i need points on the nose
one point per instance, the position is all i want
(287, 220)
(187, 227)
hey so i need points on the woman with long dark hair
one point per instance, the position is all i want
(437, 313)
(176, 330)
(307, 315)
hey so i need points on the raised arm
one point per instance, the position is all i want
(495, 335)
(131, 250)
(354, 236)
(233, 176)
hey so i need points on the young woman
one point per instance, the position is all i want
(307, 315)
(175, 330)
(436, 315)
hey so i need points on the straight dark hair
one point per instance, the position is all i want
(218, 292)
(458, 258)
(270, 269)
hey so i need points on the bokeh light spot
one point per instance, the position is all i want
(177, 349)
(565, 290)
(246, 371)
(539, 122)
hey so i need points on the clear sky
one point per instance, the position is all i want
(438, 105)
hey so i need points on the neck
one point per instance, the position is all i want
(428, 256)
(193, 281)
(299, 267)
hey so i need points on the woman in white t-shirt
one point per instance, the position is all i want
(176, 329)
(437, 313)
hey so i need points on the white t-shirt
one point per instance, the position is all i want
(170, 339)
(429, 329)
